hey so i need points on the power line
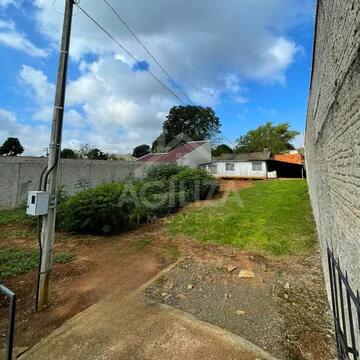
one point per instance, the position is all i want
(148, 51)
(126, 50)
(135, 59)
(223, 137)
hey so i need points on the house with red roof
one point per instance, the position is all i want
(191, 153)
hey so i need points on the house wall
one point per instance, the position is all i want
(242, 169)
(332, 145)
(18, 175)
(200, 155)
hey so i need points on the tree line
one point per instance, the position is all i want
(13, 147)
(199, 123)
(183, 124)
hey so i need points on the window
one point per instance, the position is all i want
(256, 166)
(230, 166)
(213, 169)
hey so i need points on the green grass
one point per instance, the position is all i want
(274, 217)
(14, 216)
(14, 261)
(140, 244)
(171, 252)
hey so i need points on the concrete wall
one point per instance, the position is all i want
(332, 144)
(18, 175)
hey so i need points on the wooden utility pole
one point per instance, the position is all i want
(51, 177)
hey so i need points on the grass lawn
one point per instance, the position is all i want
(14, 260)
(274, 217)
(14, 216)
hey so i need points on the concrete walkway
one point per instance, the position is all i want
(133, 328)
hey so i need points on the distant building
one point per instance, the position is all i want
(256, 165)
(251, 165)
(289, 165)
(192, 154)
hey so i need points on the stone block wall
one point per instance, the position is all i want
(332, 141)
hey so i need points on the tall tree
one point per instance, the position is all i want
(83, 152)
(222, 149)
(68, 154)
(88, 152)
(141, 150)
(276, 138)
(194, 122)
(97, 154)
(11, 147)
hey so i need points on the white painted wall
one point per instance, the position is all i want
(200, 155)
(241, 169)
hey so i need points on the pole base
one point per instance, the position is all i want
(43, 291)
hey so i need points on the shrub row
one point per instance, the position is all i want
(110, 208)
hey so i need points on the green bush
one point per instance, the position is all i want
(198, 184)
(110, 208)
(104, 209)
(164, 171)
(155, 198)
(14, 261)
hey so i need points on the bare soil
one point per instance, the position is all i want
(227, 185)
(283, 309)
(102, 265)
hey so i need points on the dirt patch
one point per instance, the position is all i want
(227, 185)
(102, 265)
(220, 297)
(282, 307)
(303, 304)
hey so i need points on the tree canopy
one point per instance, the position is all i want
(141, 150)
(194, 122)
(97, 154)
(276, 138)
(11, 147)
(222, 149)
(68, 154)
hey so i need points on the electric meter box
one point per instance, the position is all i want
(38, 203)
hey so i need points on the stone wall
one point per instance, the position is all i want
(18, 175)
(332, 142)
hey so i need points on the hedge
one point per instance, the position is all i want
(164, 171)
(98, 210)
(198, 184)
(110, 208)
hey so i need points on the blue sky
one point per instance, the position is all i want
(250, 61)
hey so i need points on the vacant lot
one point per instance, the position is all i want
(273, 217)
(86, 269)
(281, 308)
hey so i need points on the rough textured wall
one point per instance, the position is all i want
(332, 142)
(20, 174)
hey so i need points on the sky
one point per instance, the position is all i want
(249, 60)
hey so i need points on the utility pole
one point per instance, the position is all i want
(51, 177)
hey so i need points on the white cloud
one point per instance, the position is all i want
(74, 119)
(191, 40)
(33, 138)
(10, 25)
(299, 141)
(41, 91)
(212, 51)
(5, 3)
(18, 41)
